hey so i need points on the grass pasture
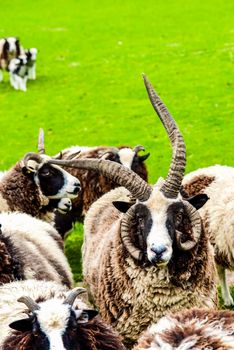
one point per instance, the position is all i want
(89, 89)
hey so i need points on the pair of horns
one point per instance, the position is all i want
(33, 306)
(124, 177)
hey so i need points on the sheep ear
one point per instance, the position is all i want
(122, 206)
(23, 325)
(198, 201)
(86, 315)
(144, 157)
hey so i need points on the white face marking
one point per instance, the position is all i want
(126, 156)
(12, 44)
(158, 239)
(53, 318)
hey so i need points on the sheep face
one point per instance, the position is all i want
(54, 325)
(128, 157)
(158, 226)
(53, 181)
(13, 45)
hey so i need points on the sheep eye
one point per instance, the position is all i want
(45, 173)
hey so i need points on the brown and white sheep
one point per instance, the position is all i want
(152, 255)
(195, 329)
(9, 49)
(218, 215)
(93, 184)
(55, 319)
(35, 187)
(31, 248)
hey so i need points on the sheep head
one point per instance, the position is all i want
(160, 217)
(53, 181)
(53, 323)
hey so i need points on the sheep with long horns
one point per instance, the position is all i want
(145, 249)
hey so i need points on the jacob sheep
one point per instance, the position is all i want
(9, 48)
(32, 183)
(149, 254)
(31, 248)
(18, 72)
(218, 215)
(55, 319)
(93, 184)
(195, 329)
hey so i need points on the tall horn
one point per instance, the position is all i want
(196, 228)
(41, 142)
(30, 303)
(175, 175)
(113, 171)
(32, 156)
(73, 295)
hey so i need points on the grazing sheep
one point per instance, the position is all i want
(93, 184)
(30, 185)
(9, 48)
(155, 256)
(195, 329)
(56, 319)
(31, 248)
(218, 215)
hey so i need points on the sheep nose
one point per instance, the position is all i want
(158, 250)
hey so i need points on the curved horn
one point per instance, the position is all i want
(113, 150)
(113, 171)
(135, 252)
(41, 142)
(73, 295)
(32, 156)
(196, 227)
(175, 175)
(138, 148)
(30, 303)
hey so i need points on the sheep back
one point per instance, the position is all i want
(31, 248)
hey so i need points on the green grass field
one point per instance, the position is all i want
(89, 89)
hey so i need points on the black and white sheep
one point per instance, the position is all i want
(149, 254)
(31, 248)
(18, 72)
(34, 185)
(93, 184)
(56, 319)
(218, 215)
(9, 48)
(23, 68)
(195, 329)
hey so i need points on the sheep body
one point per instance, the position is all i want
(131, 296)
(217, 214)
(195, 329)
(31, 248)
(92, 335)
